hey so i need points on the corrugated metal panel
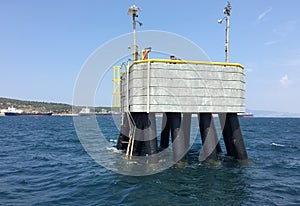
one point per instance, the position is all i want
(184, 88)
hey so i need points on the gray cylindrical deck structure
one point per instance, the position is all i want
(181, 87)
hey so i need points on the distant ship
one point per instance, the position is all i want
(245, 115)
(11, 111)
(86, 112)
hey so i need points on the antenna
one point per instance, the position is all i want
(132, 11)
(226, 11)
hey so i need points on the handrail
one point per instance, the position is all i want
(170, 61)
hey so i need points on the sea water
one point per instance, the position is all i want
(42, 162)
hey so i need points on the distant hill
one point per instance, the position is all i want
(57, 108)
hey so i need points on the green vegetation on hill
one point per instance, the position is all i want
(57, 108)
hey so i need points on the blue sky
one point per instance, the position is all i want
(43, 44)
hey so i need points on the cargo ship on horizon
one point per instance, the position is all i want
(87, 112)
(245, 115)
(11, 111)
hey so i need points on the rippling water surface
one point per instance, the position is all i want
(43, 163)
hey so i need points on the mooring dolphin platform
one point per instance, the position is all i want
(177, 89)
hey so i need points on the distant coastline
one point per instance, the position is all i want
(60, 109)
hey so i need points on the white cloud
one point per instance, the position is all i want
(264, 14)
(285, 81)
(269, 43)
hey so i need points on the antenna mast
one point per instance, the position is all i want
(132, 11)
(227, 10)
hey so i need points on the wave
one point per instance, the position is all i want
(277, 145)
(113, 149)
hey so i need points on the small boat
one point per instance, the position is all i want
(11, 111)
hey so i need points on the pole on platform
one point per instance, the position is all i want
(186, 125)
(145, 134)
(209, 137)
(178, 142)
(227, 10)
(233, 137)
(132, 11)
(150, 134)
(138, 119)
(165, 132)
(124, 134)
